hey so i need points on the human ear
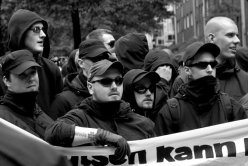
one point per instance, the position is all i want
(187, 70)
(90, 87)
(211, 37)
(6, 81)
(80, 63)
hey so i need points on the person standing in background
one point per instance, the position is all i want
(27, 30)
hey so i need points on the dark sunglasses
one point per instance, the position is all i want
(204, 65)
(107, 82)
(37, 29)
(142, 90)
(111, 43)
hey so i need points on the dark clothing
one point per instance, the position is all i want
(128, 92)
(244, 102)
(232, 79)
(242, 58)
(178, 82)
(50, 79)
(200, 106)
(163, 88)
(18, 149)
(70, 66)
(75, 90)
(115, 117)
(131, 50)
(22, 111)
(153, 60)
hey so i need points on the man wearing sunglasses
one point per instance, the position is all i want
(27, 30)
(223, 32)
(75, 84)
(107, 38)
(104, 110)
(139, 91)
(199, 103)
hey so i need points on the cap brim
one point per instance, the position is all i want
(95, 54)
(114, 65)
(210, 47)
(23, 67)
(153, 76)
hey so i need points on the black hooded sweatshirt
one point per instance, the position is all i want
(50, 79)
(75, 90)
(131, 50)
(128, 94)
(153, 60)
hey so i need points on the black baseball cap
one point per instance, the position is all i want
(18, 61)
(100, 67)
(153, 76)
(197, 47)
(93, 49)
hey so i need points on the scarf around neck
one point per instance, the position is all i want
(202, 92)
(24, 102)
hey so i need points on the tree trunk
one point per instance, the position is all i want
(75, 25)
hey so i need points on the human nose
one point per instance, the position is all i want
(113, 85)
(209, 68)
(148, 92)
(42, 33)
(236, 39)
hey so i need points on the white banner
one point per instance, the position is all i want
(224, 144)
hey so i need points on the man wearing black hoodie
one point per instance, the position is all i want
(198, 103)
(131, 50)
(161, 62)
(27, 30)
(139, 89)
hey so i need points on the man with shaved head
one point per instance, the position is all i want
(223, 32)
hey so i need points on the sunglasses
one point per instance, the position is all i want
(204, 65)
(37, 29)
(111, 43)
(142, 90)
(107, 82)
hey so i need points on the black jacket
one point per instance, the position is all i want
(50, 79)
(153, 60)
(115, 117)
(75, 90)
(232, 79)
(197, 110)
(128, 93)
(131, 50)
(22, 111)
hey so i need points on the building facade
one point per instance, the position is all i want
(191, 16)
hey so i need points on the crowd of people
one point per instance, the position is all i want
(112, 91)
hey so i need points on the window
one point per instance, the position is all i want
(171, 37)
(160, 42)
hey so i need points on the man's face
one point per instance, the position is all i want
(28, 81)
(34, 39)
(227, 39)
(110, 90)
(108, 41)
(202, 70)
(144, 93)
